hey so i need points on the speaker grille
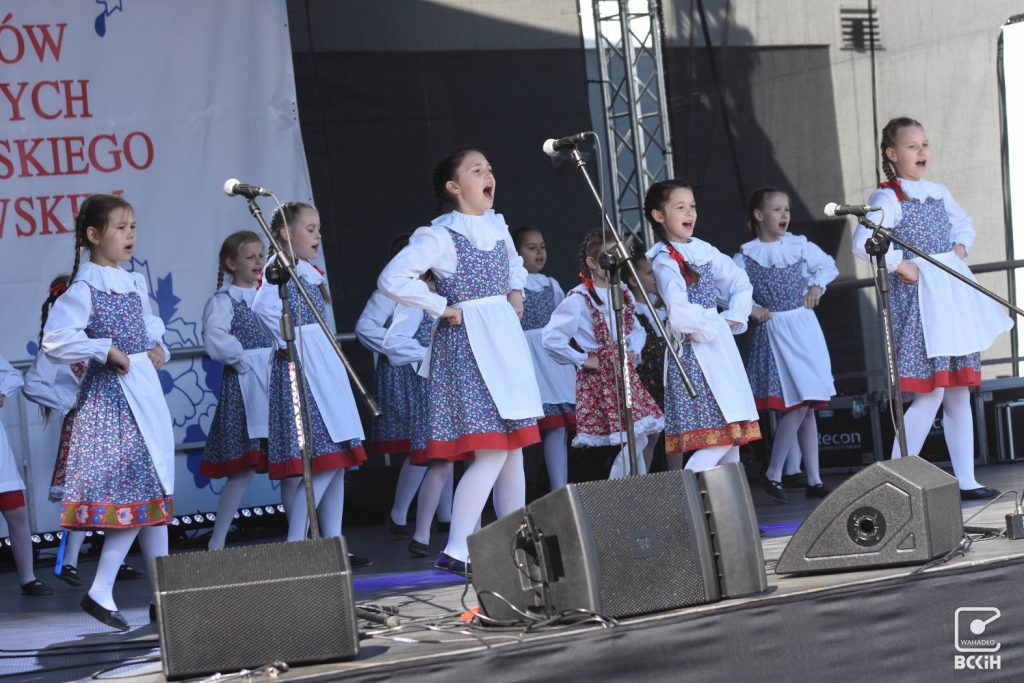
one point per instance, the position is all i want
(246, 607)
(643, 538)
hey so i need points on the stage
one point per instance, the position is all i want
(881, 624)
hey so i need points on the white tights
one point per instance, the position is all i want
(438, 477)
(556, 457)
(956, 424)
(797, 430)
(501, 471)
(329, 496)
(620, 467)
(21, 542)
(116, 544)
(409, 479)
(712, 456)
(227, 506)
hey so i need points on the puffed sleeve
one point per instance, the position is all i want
(821, 268)
(43, 385)
(962, 231)
(399, 342)
(887, 218)
(560, 330)
(266, 307)
(154, 325)
(735, 290)
(516, 270)
(370, 327)
(220, 344)
(10, 379)
(64, 337)
(636, 339)
(557, 288)
(683, 317)
(400, 278)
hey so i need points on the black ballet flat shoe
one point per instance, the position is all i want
(35, 587)
(357, 562)
(773, 489)
(104, 615)
(448, 563)
(152, 612)
(69, 575)
(442, 527)
(980, 493)
(417, 549)
(395, 529)
(817, 491)
(794, 481)
(126, 572)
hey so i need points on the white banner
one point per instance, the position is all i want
(160, 102)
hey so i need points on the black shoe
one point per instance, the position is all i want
(817, 491)
(126, 572)
(400, 530)
(450, 564)
(152, 612)
(104, 615)
(69, 575)
(357, 562)
(417, 549)
(980, 493)
(794, 481)
(442, 527)
(773, 489)
(35, 587)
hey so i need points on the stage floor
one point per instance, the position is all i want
(51, 639)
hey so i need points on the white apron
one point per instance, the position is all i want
(801, 356)
(502, 356)
(328, 382)
(720, 361)
(557, 382)
(956, 319)
(255, 386)
(142, 388)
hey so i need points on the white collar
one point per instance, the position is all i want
(921, 189)
(114, 279)
(305, 269)
(783, 252)
(463, 222)
(246, 294)
(697, 252)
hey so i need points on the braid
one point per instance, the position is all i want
(323, 291)
(887, 168)
(220, 277)
(590, 245)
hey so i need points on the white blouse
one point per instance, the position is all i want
(962, 231)
(819, 268)
(266, 304)
(370, 327)
(10, 379)
(735, 292)
(572, 319)
(220, 344)
(399, 342)
(50, 385)
(64, 337)
(431, 248)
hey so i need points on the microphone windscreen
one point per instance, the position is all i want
(830, 209)
(229, 186)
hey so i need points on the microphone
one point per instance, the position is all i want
(832, 209)
(232, 188)
(553, 147)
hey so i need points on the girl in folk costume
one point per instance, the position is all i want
(557, 382)
(692, 277)
(120, 461)
(484, 398)
(940, 325)
(236, 446)
(395, 391)
(325, 396)
(12, 496)
(406, 344)
(586, 317)
(789, 368)
(652, 358)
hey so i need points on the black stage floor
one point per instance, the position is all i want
(851, 626)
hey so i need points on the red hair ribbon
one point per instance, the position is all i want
(587, 282)
(58, 289)
(895, 186)
(678, 258)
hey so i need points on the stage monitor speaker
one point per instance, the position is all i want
(732, 524)
(618, 548)
(902, 511)
(246, 607)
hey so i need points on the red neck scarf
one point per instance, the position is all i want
(678, 258)
(895, 186)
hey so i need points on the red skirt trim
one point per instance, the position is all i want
(779, 403)
(321, 463)
(733, 434)
(964, 377)
(567, 420)
(12, 500)
(99, 515)
(392, 447)
(219, 470)
(464, 447)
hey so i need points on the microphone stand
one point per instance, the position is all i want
(282, 270)
(612, 261)
(877, 246)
